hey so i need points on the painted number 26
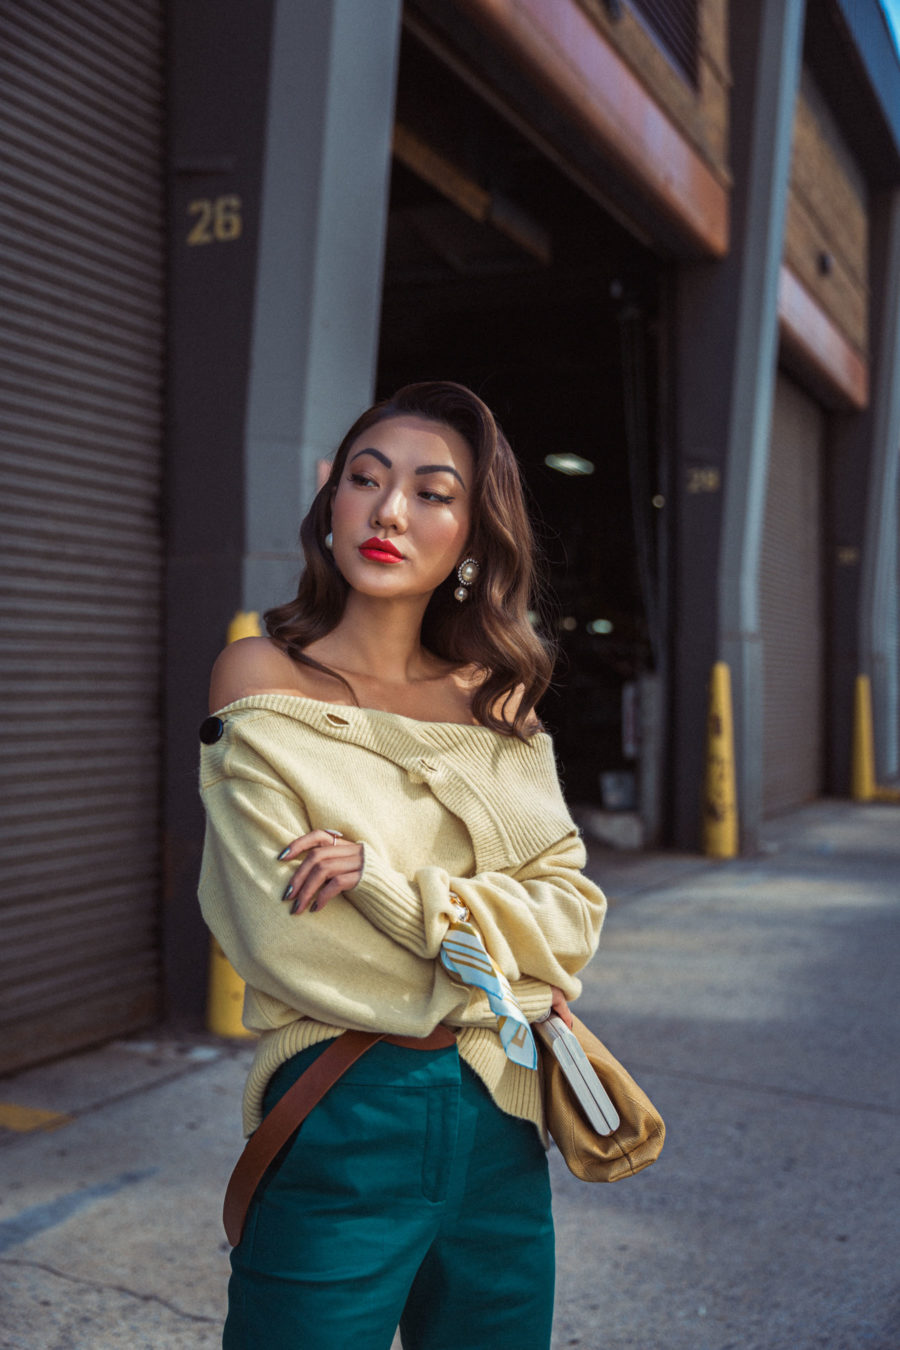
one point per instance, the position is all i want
(218, 220)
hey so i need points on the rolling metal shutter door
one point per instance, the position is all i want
(81, 342)
(791, 604)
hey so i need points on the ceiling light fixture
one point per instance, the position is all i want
(570, 464)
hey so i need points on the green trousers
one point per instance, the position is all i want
(406, 1197)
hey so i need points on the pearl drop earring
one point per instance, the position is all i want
(329, 541)
(468, 573)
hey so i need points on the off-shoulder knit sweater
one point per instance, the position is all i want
(438, 807)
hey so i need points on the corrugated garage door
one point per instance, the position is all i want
(81, 338)
(791, 603)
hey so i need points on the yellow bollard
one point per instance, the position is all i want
(863, 771)
(863, 785)
(225, 988)
(244, 624)
(224, 996)
(720, 816)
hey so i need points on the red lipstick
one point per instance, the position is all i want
(380, 550)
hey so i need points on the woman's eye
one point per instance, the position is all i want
(362, 479)
(437, 497)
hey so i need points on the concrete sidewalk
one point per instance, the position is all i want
(756, 1003)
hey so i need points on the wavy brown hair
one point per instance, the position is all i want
(492, 629)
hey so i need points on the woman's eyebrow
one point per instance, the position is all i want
(423, 468)
(439, 468)
(378, 455)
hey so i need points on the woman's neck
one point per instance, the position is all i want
(380, 641)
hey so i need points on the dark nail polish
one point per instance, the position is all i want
(283, 854)
(295, 906)
(314, 906)
(287, 894)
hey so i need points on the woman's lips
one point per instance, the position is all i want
(380, 550)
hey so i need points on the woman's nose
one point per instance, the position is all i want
(390, 511)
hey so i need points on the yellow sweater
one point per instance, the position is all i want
(438, 807)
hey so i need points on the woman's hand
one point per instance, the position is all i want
(332, 864)
(559, 1005)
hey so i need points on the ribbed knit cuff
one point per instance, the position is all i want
(533, 996)
(417, 917)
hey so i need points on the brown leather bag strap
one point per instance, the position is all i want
(282, 1121)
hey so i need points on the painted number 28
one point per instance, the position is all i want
(218, 220)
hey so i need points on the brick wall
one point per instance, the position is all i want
(700, 113)
(827, 218)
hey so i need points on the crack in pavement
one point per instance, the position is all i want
(108, 1288)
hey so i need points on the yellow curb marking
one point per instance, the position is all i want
(25, 1118)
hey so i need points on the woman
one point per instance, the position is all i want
(377, 786)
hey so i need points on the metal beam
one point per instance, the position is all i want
(772, 87)
(878, 589)
(323, 213)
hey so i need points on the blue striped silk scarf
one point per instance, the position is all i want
(463, 953)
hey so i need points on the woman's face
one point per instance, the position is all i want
(401, 511)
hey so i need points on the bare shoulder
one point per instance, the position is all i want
(252, 665)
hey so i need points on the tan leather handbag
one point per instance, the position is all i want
(632, 1145)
